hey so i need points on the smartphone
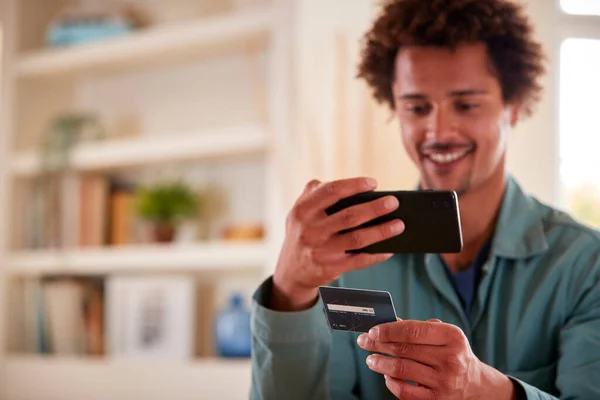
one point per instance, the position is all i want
(431, 219)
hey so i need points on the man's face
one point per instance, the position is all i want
(454, 122)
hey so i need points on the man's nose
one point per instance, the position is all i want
(442, 125)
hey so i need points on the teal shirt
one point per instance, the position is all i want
(535, 315)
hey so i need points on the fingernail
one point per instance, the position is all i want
(370, 182)
(386, 377)
(371, 361)
(374, 333)
(397, 227)
(361, 340)
(391, 203)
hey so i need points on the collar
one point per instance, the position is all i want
(520, 229)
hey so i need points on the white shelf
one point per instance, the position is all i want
(58, 378)
(153, 150)
(153, 44)
(211, 257)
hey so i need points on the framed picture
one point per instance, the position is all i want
(150, 317)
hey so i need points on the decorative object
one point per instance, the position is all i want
(166, 205)
(212, 205)
(151, 317)
(244, 232)
(66, 131)
(85, 23)
(233, 333)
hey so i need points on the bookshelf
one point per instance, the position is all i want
(204, 98)
(231, 142)
(202, 37)
(73, 378)
(213, 257)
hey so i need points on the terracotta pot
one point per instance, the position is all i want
(163, 232)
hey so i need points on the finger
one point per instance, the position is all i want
(417, 332)
(312, 185)
(357, 261)
(360, 238)
(326, 257)
(357, 215)
(327, 194)
(308, 189)
(404, 390)
(421, 353)
(404, 369)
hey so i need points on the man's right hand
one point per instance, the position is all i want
(314, 253)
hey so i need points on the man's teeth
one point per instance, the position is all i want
(448, 157)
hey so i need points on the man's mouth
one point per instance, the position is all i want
(448, 156)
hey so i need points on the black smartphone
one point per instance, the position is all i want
(431, 219)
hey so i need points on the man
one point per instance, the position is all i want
(516, 314)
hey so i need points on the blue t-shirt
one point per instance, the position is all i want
(465, 283)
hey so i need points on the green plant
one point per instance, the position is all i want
(65, 132)
(167, 203)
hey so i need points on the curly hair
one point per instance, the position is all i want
(517, 60)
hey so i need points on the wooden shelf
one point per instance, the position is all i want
(153, 150)
(67, 378)
(153, 44)
(210, 257)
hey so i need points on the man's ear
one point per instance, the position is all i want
(515, 113)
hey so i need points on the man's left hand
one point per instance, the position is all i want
(437, 357)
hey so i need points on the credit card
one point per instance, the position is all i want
(356, 310)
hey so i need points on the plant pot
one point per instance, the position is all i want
(163, 232)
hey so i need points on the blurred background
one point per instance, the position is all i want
(150, 150)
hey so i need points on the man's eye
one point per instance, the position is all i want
(418, 109)
(466, 106)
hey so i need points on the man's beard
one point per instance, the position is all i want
(463, 187)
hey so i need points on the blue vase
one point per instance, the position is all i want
(233, 334)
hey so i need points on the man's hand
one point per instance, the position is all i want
(437, 357)
(314, 253)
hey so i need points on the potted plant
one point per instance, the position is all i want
(166, 205)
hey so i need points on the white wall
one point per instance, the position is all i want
(533, 149)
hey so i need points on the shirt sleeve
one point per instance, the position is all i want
(578, 371)
(293, 356)
(528, 392)
(578, 376)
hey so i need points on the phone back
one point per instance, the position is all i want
(431, 219)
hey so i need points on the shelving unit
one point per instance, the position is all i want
(201, 37)
(125, 153)
(38, 83)
(95, 379)
(213, 257)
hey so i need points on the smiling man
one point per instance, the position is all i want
(516, 314)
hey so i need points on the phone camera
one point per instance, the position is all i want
(434, 204)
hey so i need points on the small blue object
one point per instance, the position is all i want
(233, 334)
(71, 33)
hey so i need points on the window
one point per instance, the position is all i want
(582, 7)
(579, 89)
